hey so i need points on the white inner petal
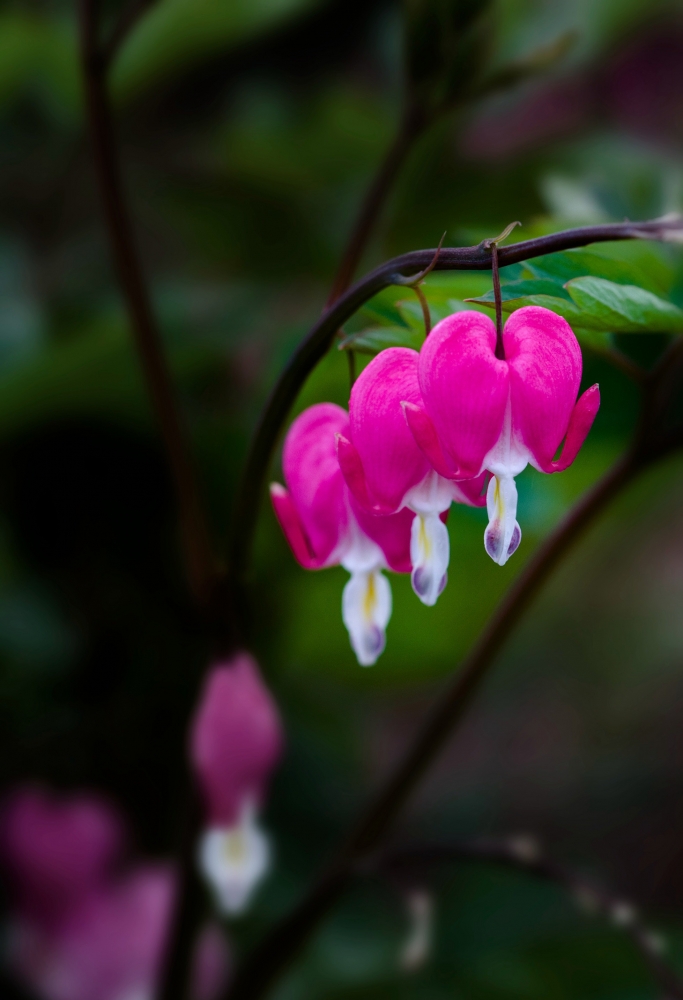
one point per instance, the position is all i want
(233, 860)
(433, 495)
(429, 554)
(509, 456)
(503, 534)
(366, 610)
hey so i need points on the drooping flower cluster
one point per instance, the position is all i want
(235, 742)
(81, 926)
(457, 422)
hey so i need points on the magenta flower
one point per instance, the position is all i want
(235, 743)
(387, 472)
(55, 848)
(78, 931)
(485, 413)
(326, 527)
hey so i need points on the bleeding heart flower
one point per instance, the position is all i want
(326, 527)
(80, 927)
(386, 471)
(236, 741)
(481, 412)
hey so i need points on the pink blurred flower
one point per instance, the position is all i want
(102, 936)
(485, 413)
(235, 742)
(386, 471)
(325, 526)
(56, 848)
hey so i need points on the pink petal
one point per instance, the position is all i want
(545, 373)
(55, 849)
(353, 472)
(391, 460)
(465, 389)
(472, 491)
(580, 423)
(426, 438)
(292, 528)
(391, 532)
(236, 738)
(316, 485)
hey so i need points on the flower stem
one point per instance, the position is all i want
(500, 347)
(194, 529)
(525, 855)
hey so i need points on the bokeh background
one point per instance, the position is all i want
(249, 130)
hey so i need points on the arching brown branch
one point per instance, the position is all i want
(525, 855)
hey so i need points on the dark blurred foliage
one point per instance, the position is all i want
(249, 131)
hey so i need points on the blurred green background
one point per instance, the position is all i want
(249, 131)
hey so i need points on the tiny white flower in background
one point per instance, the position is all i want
(234, 860)
(418, 945)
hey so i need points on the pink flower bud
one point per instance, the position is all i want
(325, 526)
(236, 738)
(235, 743)
(485, 413)
(386, 471)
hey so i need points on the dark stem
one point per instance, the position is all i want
(424, 305)
(525, 855)
(411, 127)
(207, 585)
(194, 530)
(276, 951)
(500, 348)
(352, 368)
(189, 906)
(322, 335)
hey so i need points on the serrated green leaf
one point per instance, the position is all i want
(378, 339)
(605, 305)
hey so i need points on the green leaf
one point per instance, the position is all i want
(524, 289)
(373, 341)
(568, 264)
(605, 305)
(597, 340)
(175, 34)
(38, 56)
(543, 292)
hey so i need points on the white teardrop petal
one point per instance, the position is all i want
(233, 861)
(503, 534)
(366, 610)
(429, 555)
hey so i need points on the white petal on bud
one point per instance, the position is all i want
(429, 555)
(503, 534)
(366, 610)
(234, 860)
(418, 945)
